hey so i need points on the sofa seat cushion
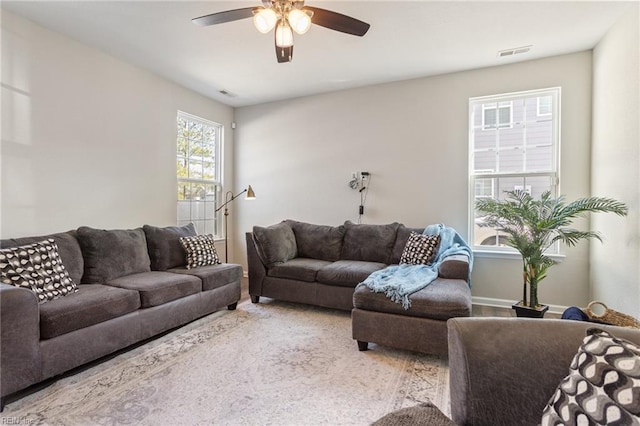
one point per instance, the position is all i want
(157, 287)
(91, 304)
(347, 273)
(440, 300)
(213, 276)
(300, 268)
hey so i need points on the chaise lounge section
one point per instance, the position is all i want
(132, 285)
(323, 265)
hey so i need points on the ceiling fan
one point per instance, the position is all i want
(287, 16)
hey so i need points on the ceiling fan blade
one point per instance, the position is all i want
(222, 17)
(338, 22)
(284, 54)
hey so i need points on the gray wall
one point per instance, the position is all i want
(615, 266)
(87, 139)
(412, 137)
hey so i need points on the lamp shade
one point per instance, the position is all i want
(250, 194)
(284, 35)
(265, 19)
(299, 20)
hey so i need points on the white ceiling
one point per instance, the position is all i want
(407, 39)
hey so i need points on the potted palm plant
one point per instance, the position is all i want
(533, 225)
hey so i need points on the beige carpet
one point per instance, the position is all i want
(273, 363)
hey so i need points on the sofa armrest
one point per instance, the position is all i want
(19, 339)
(454, 267)
(503, 371)
(257, 269)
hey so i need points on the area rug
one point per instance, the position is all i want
(271, 363)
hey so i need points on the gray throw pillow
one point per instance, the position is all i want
(110, 254)
(276, 243)
(370, 243)
(320, 242)
(165, 250)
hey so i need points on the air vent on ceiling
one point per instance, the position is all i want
(226, 93)
(514, 51)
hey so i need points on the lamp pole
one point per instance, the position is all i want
(228, 198)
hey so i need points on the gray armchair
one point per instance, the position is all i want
(504, 370)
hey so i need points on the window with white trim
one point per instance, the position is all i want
(497, 115)
(198, 166)
(514, 142)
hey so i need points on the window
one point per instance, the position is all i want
(513, 145)
(198, 171)
(497, 114)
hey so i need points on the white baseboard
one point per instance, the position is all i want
(501, 303)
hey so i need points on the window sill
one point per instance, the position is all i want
(494, 254)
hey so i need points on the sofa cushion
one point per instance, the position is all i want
(318, 241)
(158, 287)
(601, 387)
(213, 276)
(371, 243)
(38, 268)
(92, 304)
(440, 300)
(300, 268)
(401, 241)
(68, 248)
(347, 273)
(163, 244)
(420, 249)
(200, 250)
(110, 254)
(275, 244)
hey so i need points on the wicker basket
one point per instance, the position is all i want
(612, 317)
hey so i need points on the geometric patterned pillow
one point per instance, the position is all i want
(420, 249)
(603, 385)
(200, 250)
(37, 267)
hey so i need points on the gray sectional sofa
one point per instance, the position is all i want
(132, 285)
(323, 265)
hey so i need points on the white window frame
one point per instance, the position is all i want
(209, 205)
(554, 174)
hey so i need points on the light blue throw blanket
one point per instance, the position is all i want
(398, 282)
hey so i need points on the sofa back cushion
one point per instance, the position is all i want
(163, 244)
(110, 254)
(275, 244)
(371, 243)
(320, 242)
(68, 249)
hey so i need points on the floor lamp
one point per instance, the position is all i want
(229, 197)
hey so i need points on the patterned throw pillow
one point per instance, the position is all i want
(37, 267)
(420, 249)
(200, 250)
(602, 386)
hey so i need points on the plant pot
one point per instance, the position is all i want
(524, 311)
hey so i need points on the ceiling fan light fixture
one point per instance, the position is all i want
(265, 19)
(300, 20)
(284, 35)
